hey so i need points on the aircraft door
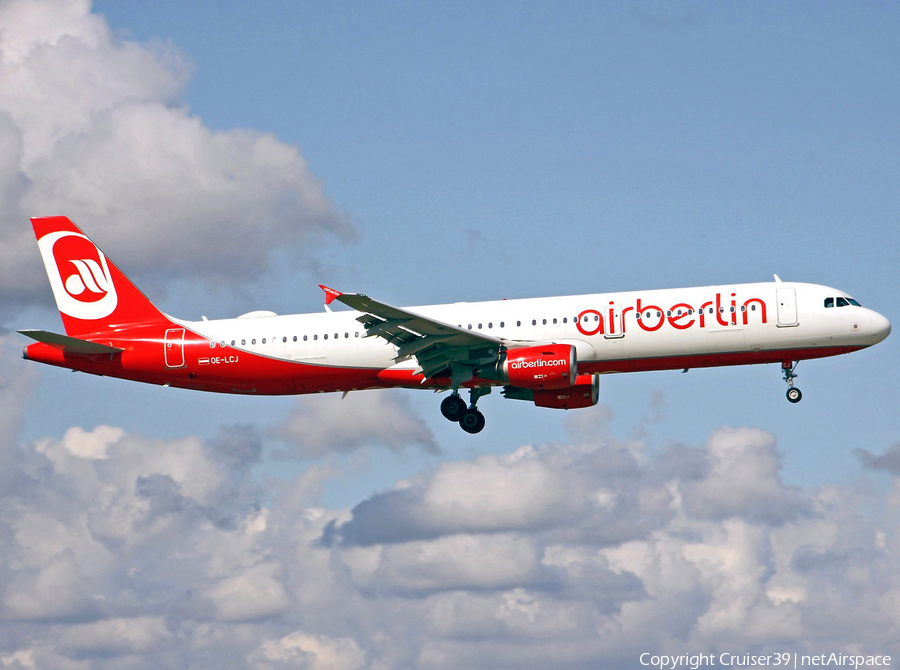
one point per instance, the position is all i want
(175, 348)
(787, 306)
(614, 326)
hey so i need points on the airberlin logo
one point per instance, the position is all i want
(79, 275)
(719, 311)
(539, 363)
(91, 278)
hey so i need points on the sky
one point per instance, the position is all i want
(232, 156)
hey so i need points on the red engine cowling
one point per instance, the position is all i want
(549, 367)
(585, 393)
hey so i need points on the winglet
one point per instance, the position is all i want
(330, 294)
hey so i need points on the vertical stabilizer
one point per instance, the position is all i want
(92, 294)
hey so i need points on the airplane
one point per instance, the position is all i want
(549, 351)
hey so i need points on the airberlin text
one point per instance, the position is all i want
(722, 311)
(539, 363)
(785, 660)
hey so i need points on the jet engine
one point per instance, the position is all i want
(552, 366)
(584, 393)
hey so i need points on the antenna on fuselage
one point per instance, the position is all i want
(777, 279)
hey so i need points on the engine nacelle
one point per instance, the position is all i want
(584, 393)
(552, 366)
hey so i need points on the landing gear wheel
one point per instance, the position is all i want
(472, 421)
(453, 407)
(794, 395)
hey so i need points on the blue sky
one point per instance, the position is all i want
(515, 150)
(426, 153)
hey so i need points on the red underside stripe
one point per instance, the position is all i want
(271, 376)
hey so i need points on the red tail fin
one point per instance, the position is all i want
(91, 293)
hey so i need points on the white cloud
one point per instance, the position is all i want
(320, 424)
(115, 635)
(164, 550)
(744, 479)
(17, 382)
(489, 493)
(454, 562)
(93, 445)
(253, 593)
(308, 652)
(92, 126)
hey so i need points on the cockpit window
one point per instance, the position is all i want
(841, 302)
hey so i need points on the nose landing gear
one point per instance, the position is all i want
(793, 393)
(469, 418)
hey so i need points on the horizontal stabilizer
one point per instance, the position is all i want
(69, 345)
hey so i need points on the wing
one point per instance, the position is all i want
(435, 345)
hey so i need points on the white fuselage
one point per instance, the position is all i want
(689, 323)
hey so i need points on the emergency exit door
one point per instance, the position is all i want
(175, 348)
(787, 306)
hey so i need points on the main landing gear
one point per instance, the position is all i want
(469, 418)
(793, 393)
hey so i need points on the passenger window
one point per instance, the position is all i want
(357, 334)
(544, 322)
(829, 302)
(490, 324)
(316, 337)
(346, 335)
(565, 320)
(253, 341)
(325, 336)
(232, 343)
(534, 322)
(502, 324)
(264, 340)
(554, 321)
(243, 342)
(518, 323)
